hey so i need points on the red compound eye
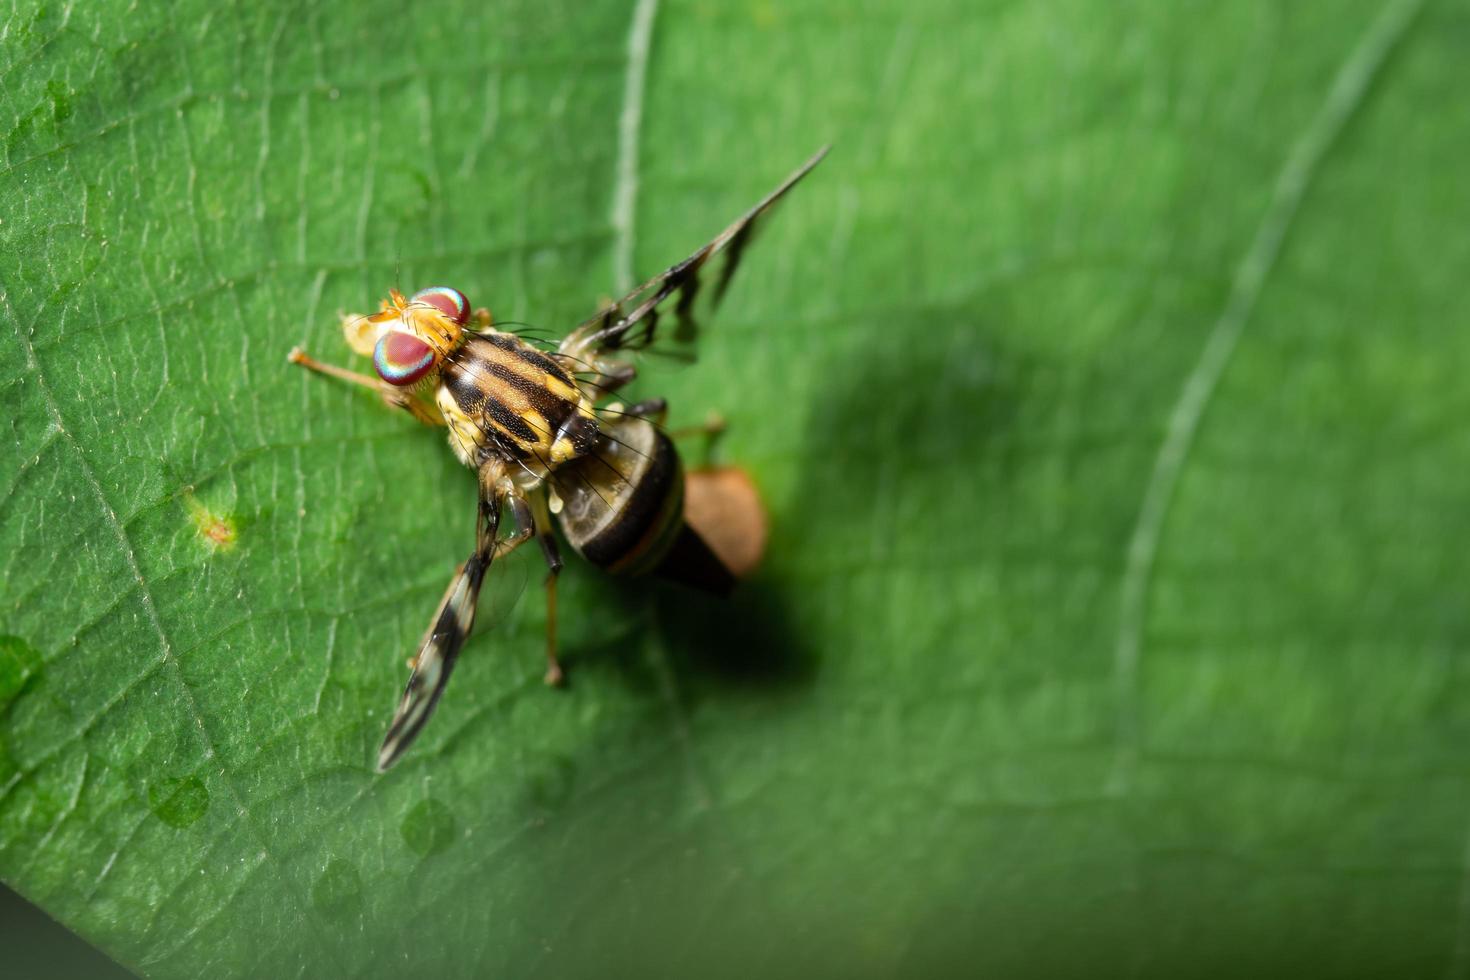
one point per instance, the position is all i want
(401, 358)
(451, 302)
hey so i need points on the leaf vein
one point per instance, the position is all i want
(630, 123)
(1347, 94)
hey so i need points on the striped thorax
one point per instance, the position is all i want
(499, 395)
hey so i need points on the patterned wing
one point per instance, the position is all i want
(437, 654)
(631, 322)
(447, 632)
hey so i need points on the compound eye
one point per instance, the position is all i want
(451, 302)
(401, 358)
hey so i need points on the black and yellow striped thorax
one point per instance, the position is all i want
(501, 396)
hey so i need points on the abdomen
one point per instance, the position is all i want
(623, 509)
(623, 502)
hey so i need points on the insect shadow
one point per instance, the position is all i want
(939, 413)
(885, 426)
(747, 641)
(934, 413)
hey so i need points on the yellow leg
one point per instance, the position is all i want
(508, 545)
(713, 425)
(392, 397)
(532, 519)
(299, 356)
(711, 430)
(555, 676)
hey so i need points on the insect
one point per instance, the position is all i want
(528, 422)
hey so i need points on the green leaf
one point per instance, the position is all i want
(1106, 386)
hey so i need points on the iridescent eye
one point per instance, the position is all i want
(401, 358)
(451, 302)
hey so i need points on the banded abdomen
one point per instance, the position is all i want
(500, 394)
(623, 508)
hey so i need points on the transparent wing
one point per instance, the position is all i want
(631, 322)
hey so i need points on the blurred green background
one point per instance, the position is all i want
(1105, 384)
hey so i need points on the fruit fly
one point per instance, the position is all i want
(528, 422)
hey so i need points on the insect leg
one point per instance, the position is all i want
(607, 374)
(656, 410)
(299, 356)
(711, 430)
(447, 631)
(534, 519)
(653, 409)
(549, 550)
(392, 397)
(525, 523)
(712, 426)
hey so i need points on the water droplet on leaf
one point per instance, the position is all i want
(428, 829)
(178, 802)
(338, 889)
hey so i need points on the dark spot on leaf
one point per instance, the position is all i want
(178, 802)
(20, 663)
(61, 108)
(338, 889)
(18, 134)
(8, 768)
(220, 533)
(551, 787)
(428, 829)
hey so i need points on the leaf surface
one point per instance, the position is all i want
(1105, 386)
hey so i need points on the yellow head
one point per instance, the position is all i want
(409, 338)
